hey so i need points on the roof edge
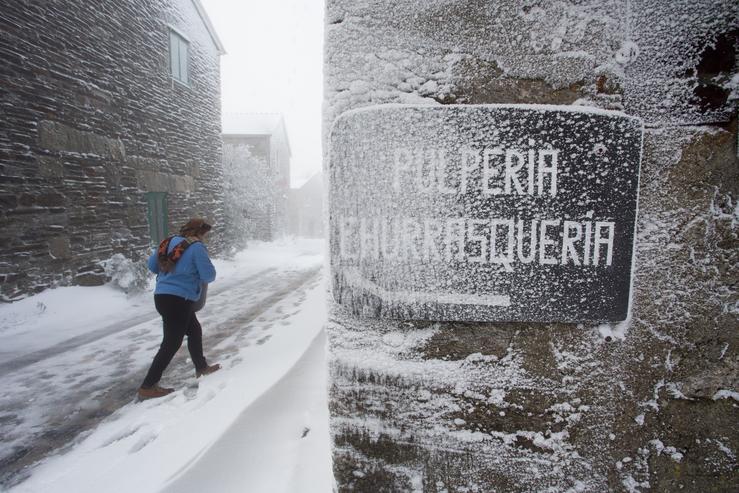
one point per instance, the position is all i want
(209, 26)
(280, 126)
(287, 136)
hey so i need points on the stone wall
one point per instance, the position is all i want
(645, 405)
(91, 121)
(280, 149)
(305, 208)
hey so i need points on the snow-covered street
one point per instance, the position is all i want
(260, 424)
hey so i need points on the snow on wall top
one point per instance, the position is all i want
(643, 57)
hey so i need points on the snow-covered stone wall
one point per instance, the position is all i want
(649, 404)
(91, 121)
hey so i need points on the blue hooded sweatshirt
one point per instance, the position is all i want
(192, 269)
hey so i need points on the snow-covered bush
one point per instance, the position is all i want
(248, 195)
(126, 274)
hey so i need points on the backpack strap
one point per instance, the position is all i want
(167, 259)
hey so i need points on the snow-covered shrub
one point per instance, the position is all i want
(249, 201)
(126, 274)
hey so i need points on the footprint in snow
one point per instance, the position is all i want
(191, 391)
(120, 435)
(264, 339)
(145, 440)
(201, 401)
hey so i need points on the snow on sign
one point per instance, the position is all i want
(484, 213)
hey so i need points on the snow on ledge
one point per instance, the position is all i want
(726, 394)
(531, 107)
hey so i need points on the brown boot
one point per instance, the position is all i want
(207, 370)
(153, 392)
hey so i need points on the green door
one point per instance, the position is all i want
(157, 216)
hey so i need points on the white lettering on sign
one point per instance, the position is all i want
(504, 241)
(499, 171)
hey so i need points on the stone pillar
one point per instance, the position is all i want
(648, 404)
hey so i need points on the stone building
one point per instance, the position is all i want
(645, 405)
(306, 208)
(110, 134)
(256, 158)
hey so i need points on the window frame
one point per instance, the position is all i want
(180, 38)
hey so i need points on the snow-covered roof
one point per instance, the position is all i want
(251, 123)
(255, 124)
(315, 181)
(211, 30)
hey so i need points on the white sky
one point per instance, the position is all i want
(273, 64)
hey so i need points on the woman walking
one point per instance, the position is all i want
(182, 264)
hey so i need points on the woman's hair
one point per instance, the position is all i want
(195, 227)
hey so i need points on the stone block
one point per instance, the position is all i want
(26, 200)
(60, 137)
(50, 168)
(8, 201)
(51, 199)
(152, 181)
(59, 247)
(89, 279)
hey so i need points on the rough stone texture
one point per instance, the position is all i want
(648, 405)
(91, 120)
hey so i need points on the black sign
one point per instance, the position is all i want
(484, 213)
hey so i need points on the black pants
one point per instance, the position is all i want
(179, 321)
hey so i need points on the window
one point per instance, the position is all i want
(157, 215)
(178, 50)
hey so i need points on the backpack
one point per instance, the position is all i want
(167, 259)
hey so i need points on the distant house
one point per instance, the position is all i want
(110, 134)
(256, 160)
(306, 208)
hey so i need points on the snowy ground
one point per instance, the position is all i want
(73, 358)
